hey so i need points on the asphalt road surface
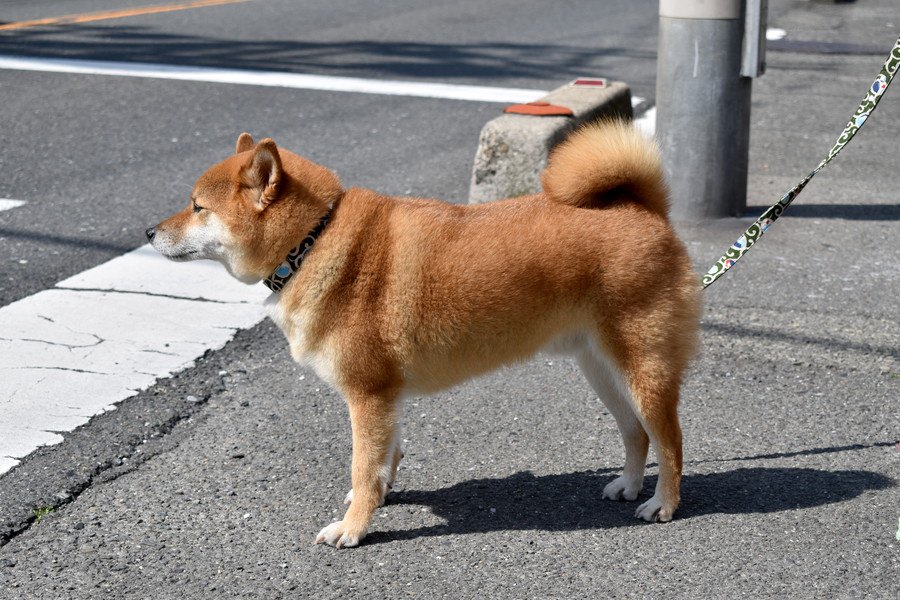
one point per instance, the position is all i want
(212, 483)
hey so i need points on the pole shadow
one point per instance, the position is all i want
(848, 212)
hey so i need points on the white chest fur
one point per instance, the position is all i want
(295, 328)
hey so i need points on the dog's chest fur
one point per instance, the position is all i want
(296, 328)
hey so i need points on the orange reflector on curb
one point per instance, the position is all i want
(539, 109)
(589, 82)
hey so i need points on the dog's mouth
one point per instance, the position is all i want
(184, 256)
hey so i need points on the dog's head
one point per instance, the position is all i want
(248, 211)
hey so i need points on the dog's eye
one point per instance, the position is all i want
(197, 207)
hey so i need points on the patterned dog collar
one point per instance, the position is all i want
(295, 257)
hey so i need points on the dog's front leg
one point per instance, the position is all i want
(373, 420)
(388, 469)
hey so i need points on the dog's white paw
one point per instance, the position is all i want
(340, 536)
(622, 488)
(654, 510)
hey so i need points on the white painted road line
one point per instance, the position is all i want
(8, 203)
(74, 351)
(646, 123)
(303, 81)
(273, 79)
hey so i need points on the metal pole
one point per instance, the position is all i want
(703, 104)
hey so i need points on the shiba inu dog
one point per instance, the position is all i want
(390, 297)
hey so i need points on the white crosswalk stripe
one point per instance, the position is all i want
(74, 351)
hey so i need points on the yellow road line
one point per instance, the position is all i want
(115, 14)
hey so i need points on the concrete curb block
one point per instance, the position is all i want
(513, 149)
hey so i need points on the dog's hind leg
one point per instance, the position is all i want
(612, 390)
(396, 455)
(657, 401)
(373, 421)
(651, 343)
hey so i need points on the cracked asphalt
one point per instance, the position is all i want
(213, 483)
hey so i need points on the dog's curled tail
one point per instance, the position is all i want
(601, 159)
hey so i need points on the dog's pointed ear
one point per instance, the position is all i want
(262, 173)
(244, 143)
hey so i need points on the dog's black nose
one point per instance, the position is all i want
(151, 231)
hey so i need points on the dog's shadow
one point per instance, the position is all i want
(572, 501)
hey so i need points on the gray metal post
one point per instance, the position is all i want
(703, 105)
